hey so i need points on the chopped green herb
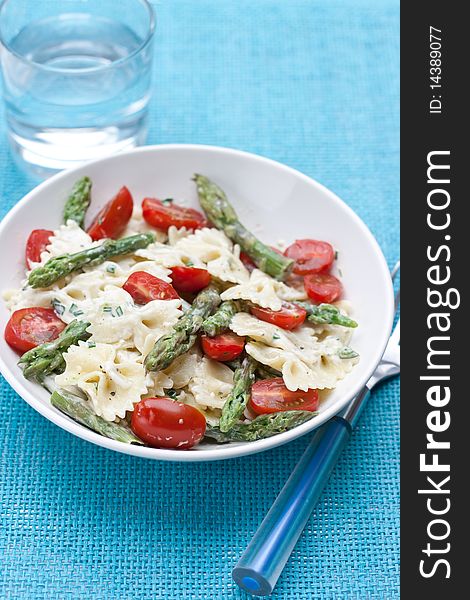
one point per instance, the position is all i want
(111, 268)
(58, 307)
(91, 345)
(119, 311)
(347, 352)
(167, 201)
(171, 394)
(75, 311)
(189, 264)
(336, 254)
(276, 337)
(108, 309)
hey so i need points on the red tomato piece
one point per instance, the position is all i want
(311, 256)
(167, 423)
(112, 219)
(163, 215)
(246, 260)
(271, 395)
(190, 279)
(30, 327)
(36, 244)
(323, 287)
(144, 287)
(289, 317)
(225, 346)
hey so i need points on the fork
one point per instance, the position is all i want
(261, 564)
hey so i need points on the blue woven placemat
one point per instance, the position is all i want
(310, 83)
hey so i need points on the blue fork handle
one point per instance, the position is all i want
(262, 562)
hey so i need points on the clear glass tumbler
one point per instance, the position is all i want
(76, 78)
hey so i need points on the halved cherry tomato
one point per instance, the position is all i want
(311, 256)
(289, 317)
(246, 260)
(36, 244)
(30, 327)
(322, 287)
(189, 279)
(225, 346)
(144, 287)
(161, 215)
(167, 423)
(112, 219)
(271, 395)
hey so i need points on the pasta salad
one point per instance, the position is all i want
(162, 325)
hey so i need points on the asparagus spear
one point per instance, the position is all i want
(78, 201)
(261, 427)
(48, 358)
(221, 213)
(75, 408)
(220, 320)
(326, 314)
(235, 404)
(183, 336)
(59, 266)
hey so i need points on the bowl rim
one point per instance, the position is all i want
(218, 452)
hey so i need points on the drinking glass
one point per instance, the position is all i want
(76, 78)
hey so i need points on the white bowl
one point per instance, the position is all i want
(273, 200)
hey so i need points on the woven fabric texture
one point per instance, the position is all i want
(313, 84)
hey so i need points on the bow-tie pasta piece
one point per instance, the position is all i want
(113, 380)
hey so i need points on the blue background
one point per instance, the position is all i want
(310, 83)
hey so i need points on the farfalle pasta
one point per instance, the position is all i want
(112, 379)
